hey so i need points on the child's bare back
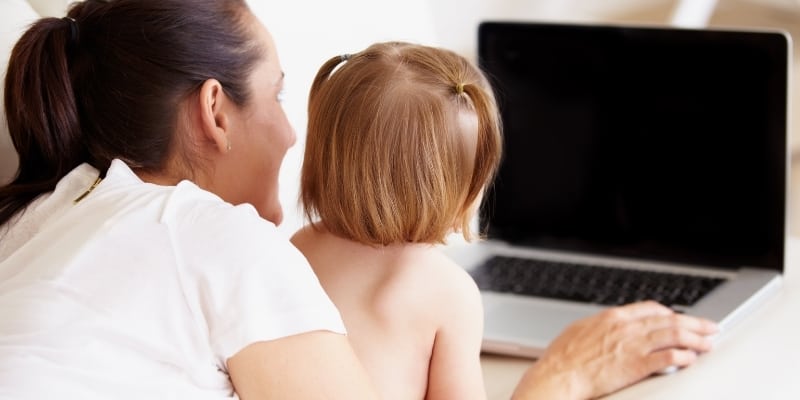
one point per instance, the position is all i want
(398, 301)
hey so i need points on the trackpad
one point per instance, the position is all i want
(529, 322)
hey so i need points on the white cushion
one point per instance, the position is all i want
(15, 17)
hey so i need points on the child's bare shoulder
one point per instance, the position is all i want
(302, 236)
(431, 274)
(433, 263)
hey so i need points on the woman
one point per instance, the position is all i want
(138, 252)
(122, 275)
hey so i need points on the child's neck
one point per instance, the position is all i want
(392, 250)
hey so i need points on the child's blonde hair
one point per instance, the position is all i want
(389, 157)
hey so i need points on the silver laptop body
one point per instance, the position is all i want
(640, 148)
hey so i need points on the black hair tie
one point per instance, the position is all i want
(73, 30)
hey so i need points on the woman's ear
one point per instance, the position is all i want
(215, 122)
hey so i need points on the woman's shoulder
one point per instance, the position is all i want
(197, 213)
(206, 225)
(208, 234)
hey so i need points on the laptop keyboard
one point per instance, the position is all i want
(589, 283)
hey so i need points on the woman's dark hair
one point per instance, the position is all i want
(106, 81)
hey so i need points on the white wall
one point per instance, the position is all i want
(456, 20)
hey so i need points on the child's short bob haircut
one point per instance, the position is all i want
(401, 141)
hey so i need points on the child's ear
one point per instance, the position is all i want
(213, 109)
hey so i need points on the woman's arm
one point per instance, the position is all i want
(455, 368)
(613, 349)
(314, 365)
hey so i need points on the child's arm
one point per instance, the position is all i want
(455, 369)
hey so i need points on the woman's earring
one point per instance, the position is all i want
(228, 144)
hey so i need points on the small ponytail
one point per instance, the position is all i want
(325, 72)
(488, 150)
(41, 111)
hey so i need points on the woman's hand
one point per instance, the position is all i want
(613, 349)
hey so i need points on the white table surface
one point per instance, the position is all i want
(758, 358)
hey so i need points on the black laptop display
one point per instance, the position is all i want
(640, 142)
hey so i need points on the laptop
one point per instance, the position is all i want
(639, 163)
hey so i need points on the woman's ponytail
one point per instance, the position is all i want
(108, 81)
(41, 111)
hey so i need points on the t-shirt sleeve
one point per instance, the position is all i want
(247, 283)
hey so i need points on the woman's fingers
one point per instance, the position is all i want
(694, 324)
(663, 359)
(677, 337)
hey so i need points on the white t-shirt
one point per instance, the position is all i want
(143, 291)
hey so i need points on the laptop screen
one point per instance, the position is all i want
(646, 143)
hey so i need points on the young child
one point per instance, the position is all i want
(401, 141)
